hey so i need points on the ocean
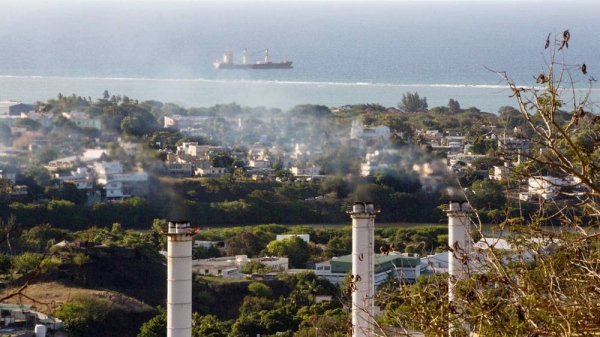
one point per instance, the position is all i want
(343, 52)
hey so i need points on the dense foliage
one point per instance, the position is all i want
(546, 283)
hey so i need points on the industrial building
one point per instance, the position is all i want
(395, 265)
(231, 266)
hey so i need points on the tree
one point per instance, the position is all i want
(294, 248)
(86, 315)
(310, 110)
(486, 163)
(156, 326)
(5, 134)
(338, 246)
(39, 237)
(66, 191)
(222, 160)
(544, 285)
(244, 243)
(29, 124)
(510, 118)
(412, 103)
(201, 252)
(209, 326)
(453, 106)
(260, 289)
(484, 146)
(28, 263)
(253, 267)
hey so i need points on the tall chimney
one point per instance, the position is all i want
(363, 264)
(459, 237)
(179, 279)
(460, 244)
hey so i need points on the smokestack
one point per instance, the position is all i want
(459, 243)
(459, 237)
(179, 279)
(363, 264)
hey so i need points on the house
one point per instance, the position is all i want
(9, 120)
(369, 168)
(15, 313)
(19, 192)
(10, 176)
(92, 155)
(80, 183)
(379, 160)
(38, 143)
(358, 131)
(119, 185)
(82, 173)
(210, 171)
(13, 108)
(83, 120)
(310, 171)
(105, 170)
(126, 185)
(259, 163)
(454, 159)
(547, 187)
(305, 237)
(432, 137)
(512, 146)
(180, 169)
(502, 172)
(45, 120)
(230, 267)
(62, 163)
(183, 122)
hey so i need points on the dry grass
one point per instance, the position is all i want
(49, 296)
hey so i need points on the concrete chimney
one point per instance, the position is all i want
(179, 279)
(363, 264)
(459, 237)
(459, 248)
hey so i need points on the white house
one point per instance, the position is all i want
(305, 237)
(547, 186)
(210, 171)
(230, 266)
(502, 172)
(358, 131)
(305, 171)
(453, 159)
(83, 120)
(259, 163)
(183, 122)
(105, 170)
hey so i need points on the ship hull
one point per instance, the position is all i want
(262, 65)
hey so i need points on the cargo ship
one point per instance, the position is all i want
(227, 63)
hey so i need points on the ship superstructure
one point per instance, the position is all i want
(227, 62)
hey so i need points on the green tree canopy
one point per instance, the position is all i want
(294, 248)
(260, 289)
(411, 102)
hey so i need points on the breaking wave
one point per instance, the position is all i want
(255, 81)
